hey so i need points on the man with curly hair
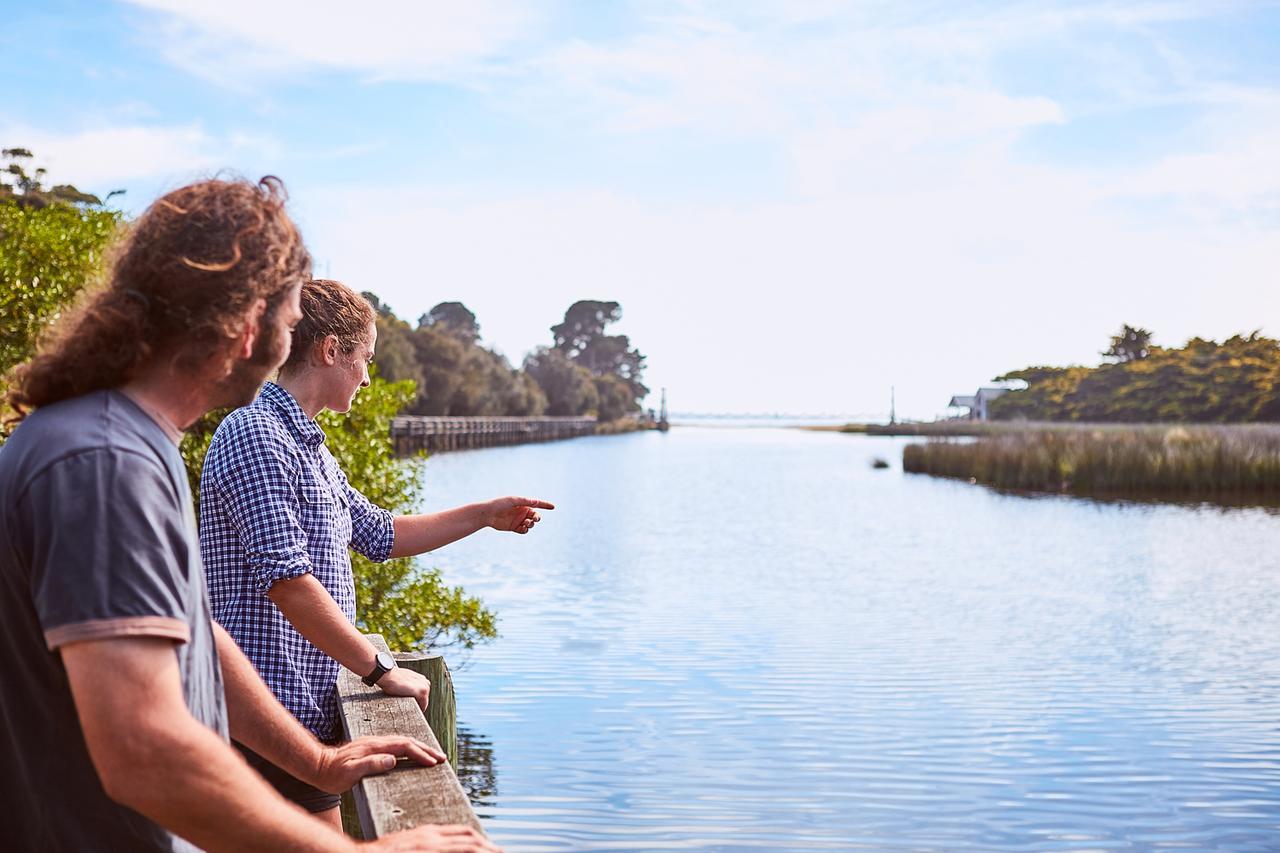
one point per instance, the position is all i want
(120, 692)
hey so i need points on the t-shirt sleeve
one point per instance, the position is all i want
(253, 479)
(110, 552)
(373, 530)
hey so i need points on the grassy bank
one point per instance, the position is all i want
(962, 427)
(924, 428)
(1239, 460)
(833, 427)
(620, 425)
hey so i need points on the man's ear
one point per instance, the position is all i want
(252, 328)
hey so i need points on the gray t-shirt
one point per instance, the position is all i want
(97, 540)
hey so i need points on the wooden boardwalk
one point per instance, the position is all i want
(410, 433)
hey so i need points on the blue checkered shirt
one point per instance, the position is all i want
(274, 505)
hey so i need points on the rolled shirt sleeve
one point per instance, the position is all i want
(373, 531)
(254, 483)
(127, 569)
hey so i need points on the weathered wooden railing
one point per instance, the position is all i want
(431, 433)
(410, 795)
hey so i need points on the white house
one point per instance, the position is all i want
(976, 405)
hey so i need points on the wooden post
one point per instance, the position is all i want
(442, 712)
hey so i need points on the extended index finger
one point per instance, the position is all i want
(534, 502)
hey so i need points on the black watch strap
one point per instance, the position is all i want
(383, 663)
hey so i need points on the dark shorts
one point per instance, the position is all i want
(309, 797)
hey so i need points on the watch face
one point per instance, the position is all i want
(386, 661)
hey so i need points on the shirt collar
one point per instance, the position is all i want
(303, 428)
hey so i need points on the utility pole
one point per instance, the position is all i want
(893, 410)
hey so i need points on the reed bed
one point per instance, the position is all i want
(1236, 460)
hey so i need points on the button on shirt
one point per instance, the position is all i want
(275, 505)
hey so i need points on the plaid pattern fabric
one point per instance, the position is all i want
(274, 505)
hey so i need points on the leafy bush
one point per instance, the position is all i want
(47, 255)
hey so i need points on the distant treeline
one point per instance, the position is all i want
(584, 370)
(1236, 381)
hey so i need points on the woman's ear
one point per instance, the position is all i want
(329, 350)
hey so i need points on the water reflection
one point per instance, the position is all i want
(476, 770)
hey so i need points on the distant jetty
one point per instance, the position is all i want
(437, 433)
(413, 433)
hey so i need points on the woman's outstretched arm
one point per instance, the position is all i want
(417, 534)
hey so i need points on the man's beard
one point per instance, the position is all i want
(240, 386)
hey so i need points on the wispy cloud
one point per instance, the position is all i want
(114, 156)
(902, 95)
(237, 41)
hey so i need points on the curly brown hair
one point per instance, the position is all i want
(329, 308)
(180, 286)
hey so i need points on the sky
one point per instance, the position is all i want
(799, 205)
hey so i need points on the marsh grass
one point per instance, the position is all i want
(1176, 461)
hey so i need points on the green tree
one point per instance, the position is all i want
(525, 396)
(28, 190)
(455, 375)
(585, 321)
(569, 388)
(439, 356)
(454, 318)
(582, 339)
(52, 244)
(614, 398)
(395, 355)
(489, 386)
(1130, 345)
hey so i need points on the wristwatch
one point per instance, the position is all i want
(383, 663)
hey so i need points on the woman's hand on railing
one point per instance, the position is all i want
(514, 515)
(437, 839)
(342, 766)
(402, 681)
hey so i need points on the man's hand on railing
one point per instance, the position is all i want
(437, 839)
(403, 681)
(342, 766)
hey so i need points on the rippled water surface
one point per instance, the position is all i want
(747, 639)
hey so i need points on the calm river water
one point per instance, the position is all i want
(747, 639)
